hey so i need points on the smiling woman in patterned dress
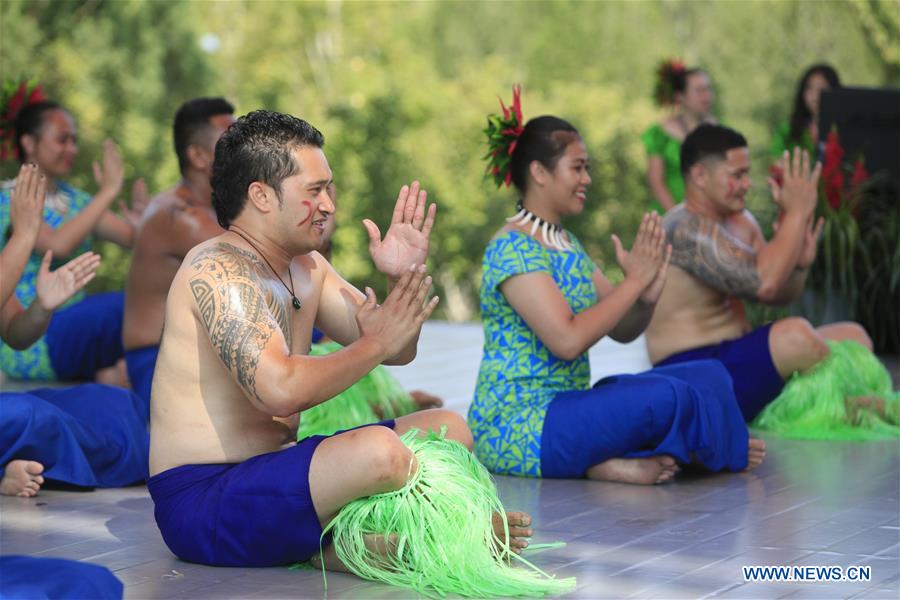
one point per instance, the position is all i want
(544, 303)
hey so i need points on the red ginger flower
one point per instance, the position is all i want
(834, 153)
(834, 186)
(835, 172)
(832, 175)
(860, 175)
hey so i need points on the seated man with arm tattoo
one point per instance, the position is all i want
(721, 258)
(230, 486)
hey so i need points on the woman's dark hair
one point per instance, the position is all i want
(544, 139)
(30, 120)
(257, 147)
(672, 78)
(801, 116)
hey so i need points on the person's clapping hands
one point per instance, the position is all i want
(54, 288)
(648, 260)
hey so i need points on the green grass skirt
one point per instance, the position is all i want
(812, 405)
(375, 397)
(444, 539)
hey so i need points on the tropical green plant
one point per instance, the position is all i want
(858, 265)
(401, 91)
(877, 261)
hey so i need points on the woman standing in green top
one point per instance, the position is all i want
(803, 128)
(689, 94)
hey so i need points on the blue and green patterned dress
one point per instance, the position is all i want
(519, 376)
(536, 415)
(87, 332)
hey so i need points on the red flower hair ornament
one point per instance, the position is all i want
(503, 134)
(13, 98)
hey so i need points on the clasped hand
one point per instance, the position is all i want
(111, 175)
(26, 205)
(798, 190)
(394, 324)
(648, 260)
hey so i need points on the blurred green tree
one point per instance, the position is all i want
(402, 90)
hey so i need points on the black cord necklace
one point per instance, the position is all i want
(295, 301)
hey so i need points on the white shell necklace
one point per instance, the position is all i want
(552, 233)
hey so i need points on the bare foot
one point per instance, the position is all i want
(756, 452)
(644, 471)
(22, 478)
(424, 400)
(382, 549)
(519, 529)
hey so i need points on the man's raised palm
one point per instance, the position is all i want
(406, 241)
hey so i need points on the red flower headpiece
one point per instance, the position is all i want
(15, 96)
(666, 72)
(503, 134)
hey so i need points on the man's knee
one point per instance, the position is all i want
(847, 330)
(390, 461)
(795, 341)
(858, 333)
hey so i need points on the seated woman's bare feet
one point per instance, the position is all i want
(643, 471)
(22, 478)
(424, 400)
(519, 524)
(756, 452)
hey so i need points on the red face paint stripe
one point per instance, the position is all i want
(308, 205)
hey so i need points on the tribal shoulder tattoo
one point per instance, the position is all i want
(706, 250)
(237, 307)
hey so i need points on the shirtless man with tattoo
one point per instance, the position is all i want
(721, 258)
(230, 486)
(175, 221)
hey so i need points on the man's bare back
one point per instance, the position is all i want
(200, 414)
(172, 224)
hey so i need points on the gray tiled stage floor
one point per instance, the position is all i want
(811, 503)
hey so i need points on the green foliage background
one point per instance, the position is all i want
(401, 91)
